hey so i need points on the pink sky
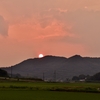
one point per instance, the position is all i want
(52, 27)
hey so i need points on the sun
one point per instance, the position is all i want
(41, 55)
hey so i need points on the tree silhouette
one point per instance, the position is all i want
(3, 73)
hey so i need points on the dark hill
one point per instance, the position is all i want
(76, 57)
(61, 66)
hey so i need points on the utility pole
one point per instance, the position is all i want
(43, 77)
(11, 71)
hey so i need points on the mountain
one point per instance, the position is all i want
(55, 66)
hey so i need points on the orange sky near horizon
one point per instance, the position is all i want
(53, 27)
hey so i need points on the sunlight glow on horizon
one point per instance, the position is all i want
(41, 55)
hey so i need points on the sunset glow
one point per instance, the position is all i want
(54, 27)
(40, 55)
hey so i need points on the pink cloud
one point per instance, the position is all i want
(3, 27)
(58, 27)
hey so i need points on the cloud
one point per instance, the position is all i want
(62, 10)
(58, 27)
(3, 27)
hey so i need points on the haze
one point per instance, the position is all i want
(50, 27)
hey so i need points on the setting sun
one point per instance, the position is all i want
(40, 55)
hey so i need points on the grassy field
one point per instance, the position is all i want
(46, 95)
(84, 87)
(48, 91)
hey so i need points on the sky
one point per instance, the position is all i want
(51, 27)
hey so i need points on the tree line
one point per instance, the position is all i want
(3, 73)
(82, 77)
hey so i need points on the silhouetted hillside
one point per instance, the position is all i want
(59, 67)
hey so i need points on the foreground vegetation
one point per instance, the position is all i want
(46, 95)
(68, 87)
(14, 90)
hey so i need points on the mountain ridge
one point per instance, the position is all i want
(64, 67)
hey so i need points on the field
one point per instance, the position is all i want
(46, 95)
(49, 91)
